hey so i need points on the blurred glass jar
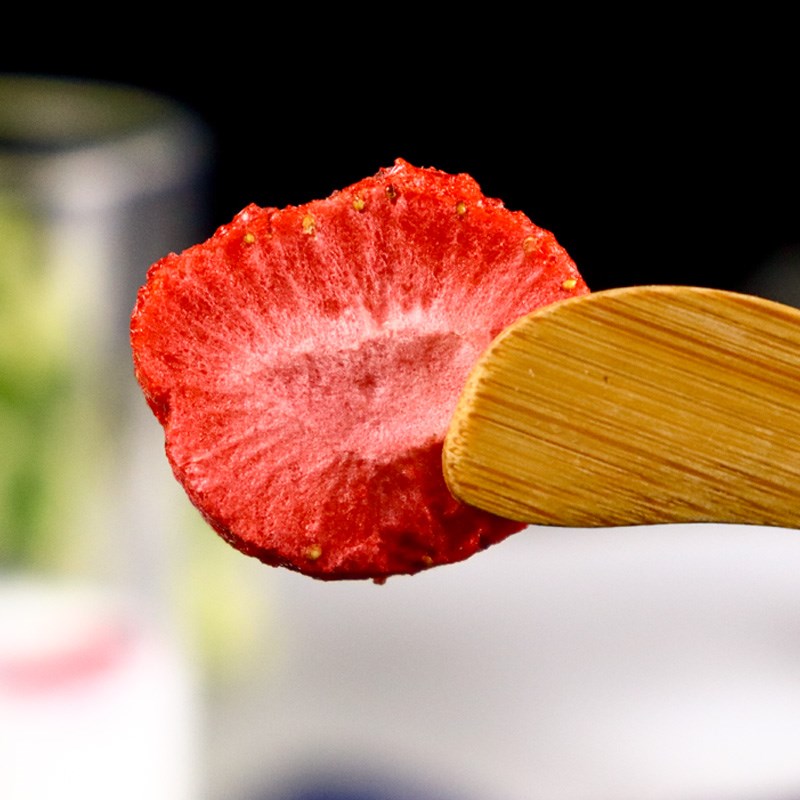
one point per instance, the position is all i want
(96, 182)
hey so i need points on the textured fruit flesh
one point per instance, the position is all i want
(305, 363)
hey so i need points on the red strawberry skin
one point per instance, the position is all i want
(305, 362)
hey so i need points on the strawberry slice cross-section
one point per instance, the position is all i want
(304, 363)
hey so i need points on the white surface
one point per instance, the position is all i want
(93, 704)
(633, 663)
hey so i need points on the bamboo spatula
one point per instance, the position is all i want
(642, 405)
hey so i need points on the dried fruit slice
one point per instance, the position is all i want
(305, 362)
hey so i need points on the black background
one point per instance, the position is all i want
(653, 159)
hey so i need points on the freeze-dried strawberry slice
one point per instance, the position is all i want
(305, 362)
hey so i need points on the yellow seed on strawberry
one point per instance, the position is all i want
(313, 552)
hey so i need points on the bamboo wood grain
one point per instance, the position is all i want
(642, 405)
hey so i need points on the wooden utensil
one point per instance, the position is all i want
(649, 404)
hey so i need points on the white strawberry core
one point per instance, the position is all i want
(388, 394)
(393, 392)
